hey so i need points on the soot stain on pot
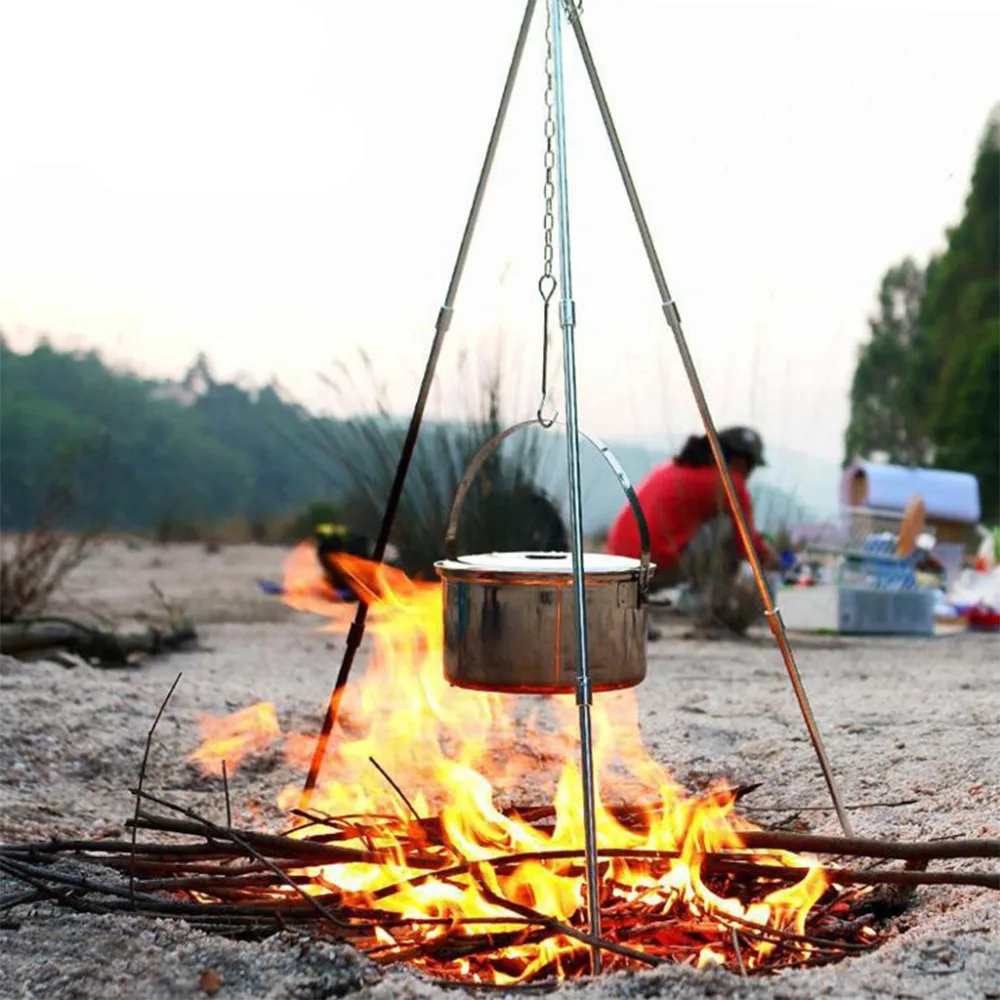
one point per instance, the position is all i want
(462, 602)
(491, 615)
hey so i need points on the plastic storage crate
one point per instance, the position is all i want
(877, 611)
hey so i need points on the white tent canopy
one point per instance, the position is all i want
(947, 496)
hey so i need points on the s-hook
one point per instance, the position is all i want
(546, 288)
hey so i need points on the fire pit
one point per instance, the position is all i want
(445, 834)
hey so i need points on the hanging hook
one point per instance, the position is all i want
(546, 288)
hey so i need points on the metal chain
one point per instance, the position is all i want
(547, 282)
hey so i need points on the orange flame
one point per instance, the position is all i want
(232, 738)
(467, 757)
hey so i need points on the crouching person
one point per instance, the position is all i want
(693, 535)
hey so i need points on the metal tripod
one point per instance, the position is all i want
(557, 10)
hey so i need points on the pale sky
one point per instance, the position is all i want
(280, 184)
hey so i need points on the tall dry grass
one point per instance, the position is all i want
(505, 508)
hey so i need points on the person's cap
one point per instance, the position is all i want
(743, 441)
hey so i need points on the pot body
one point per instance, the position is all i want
(509, 622)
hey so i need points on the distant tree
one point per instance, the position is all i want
(887, 410)
(926, 389)
(957, 365)
(137, 454)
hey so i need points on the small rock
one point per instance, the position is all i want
(210, 982)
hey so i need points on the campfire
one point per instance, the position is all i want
(425, 833)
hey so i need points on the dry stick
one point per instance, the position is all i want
(557, 925)
(208, 883)
(314, 848)
(225, 786)
(33, 876)
(739, 954)
(236, 839)
(305, 852)
(445, 949)
(807, 843)
(150, 904)
(751, 928)
(719, 862)
(154, 869)
(19, 899)
(67, 897)
(142, 768)
(312, 819)
(811, 843)
(399, 791)
(535, 986)
(716, 863)
(49, 849)
(847, 876)
(828, 809)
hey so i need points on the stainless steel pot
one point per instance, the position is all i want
(508, 616)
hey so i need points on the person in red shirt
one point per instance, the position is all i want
(693, 535)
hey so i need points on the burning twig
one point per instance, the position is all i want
(739, 954)
(267, 891)
(562, 928)
(229, 807)
(399, 791)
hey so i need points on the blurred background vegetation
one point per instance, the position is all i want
(214, 462)
(201, 459)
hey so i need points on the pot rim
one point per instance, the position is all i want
(542, 565)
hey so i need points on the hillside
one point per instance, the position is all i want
(141, 455)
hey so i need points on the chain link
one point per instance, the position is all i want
(549, 189)
(547, 282)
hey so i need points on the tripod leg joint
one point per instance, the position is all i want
(443, 319)
(673, 314)
(775, 621)
(567, 314)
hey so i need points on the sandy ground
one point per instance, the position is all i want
(912, 721)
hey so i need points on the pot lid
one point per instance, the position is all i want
(554, 563)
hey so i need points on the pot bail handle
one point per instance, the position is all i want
(491, 446)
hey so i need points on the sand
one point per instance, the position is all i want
(906, 721)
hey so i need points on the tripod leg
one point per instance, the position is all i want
(357, 629)
(584, 694)
(674, 322)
